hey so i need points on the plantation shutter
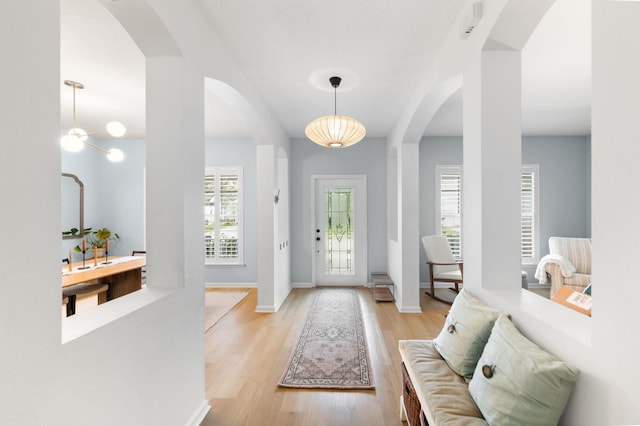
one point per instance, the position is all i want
(228, 216)
(223, 216)
(450, 207)
(528, 229)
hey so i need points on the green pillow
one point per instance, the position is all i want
(518, 383)
(465, 332)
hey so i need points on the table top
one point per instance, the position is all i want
(573, 299)
(96, 268)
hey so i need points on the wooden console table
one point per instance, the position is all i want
(123, 274)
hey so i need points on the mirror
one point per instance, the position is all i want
(72, 205)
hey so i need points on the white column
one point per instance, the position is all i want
(410, 226)
(266, 174)
(492, 161)
(175, 172)
(616, 206)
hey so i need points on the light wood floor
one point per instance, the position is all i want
(246, 353)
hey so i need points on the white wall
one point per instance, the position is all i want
(145, 364)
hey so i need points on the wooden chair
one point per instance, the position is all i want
(442, 266)
(144, 270)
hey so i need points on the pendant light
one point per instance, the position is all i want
(335, 131)
(77, 138)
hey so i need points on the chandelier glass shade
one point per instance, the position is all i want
(76, 138)
(335, 131)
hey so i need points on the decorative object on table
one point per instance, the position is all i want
(331, 351)
(84, 253)
(77, 138)
(335, 131)
(98, 239)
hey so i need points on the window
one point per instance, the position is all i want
(223, 216)
(448, 208)
(529, 217)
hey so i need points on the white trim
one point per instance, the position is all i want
(239, 172)
(535, 169)
(198, 416)
(302, 285)
(440, 170)
(231, 285)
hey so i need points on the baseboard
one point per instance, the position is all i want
(409, 309)
(302, 285)
(230, 285)
(198, 416)
(279, 304)
(266, 309)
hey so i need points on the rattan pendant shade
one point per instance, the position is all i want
(335, 131)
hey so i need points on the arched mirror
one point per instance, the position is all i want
(72, 206)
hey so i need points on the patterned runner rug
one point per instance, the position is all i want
(331, 351)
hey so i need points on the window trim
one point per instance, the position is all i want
(525, 168)
(440, 170)
(239, 260)
(535, 169)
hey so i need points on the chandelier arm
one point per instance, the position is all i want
(99, 148)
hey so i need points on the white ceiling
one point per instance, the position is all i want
(289, 49)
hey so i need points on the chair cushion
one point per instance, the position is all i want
(450, 275)
(516, 382)
(443, 395)
(465, 332)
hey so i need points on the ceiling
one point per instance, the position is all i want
(289, 48)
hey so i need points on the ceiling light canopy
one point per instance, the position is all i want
(335, 131)
(76, 138)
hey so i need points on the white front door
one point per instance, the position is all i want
(340, 231)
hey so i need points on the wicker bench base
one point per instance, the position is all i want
(410, 401)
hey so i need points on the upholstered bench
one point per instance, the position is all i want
(443, 395)
(481, 370)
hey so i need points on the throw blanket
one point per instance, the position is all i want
(566, 267)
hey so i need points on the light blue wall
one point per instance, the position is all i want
(114, 193)
(367, 157)
(114, 197)
(234, 153)
(565, 185)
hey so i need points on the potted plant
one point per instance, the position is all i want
(95, 240)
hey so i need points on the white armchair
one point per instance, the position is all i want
(442, 265)
(567, 264)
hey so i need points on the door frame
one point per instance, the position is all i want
(361, 225)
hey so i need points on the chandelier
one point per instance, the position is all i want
(335, 131)
(77, 138)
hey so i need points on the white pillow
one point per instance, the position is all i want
(465, 332)
(517, 383)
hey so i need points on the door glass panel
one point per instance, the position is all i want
(339, 235)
